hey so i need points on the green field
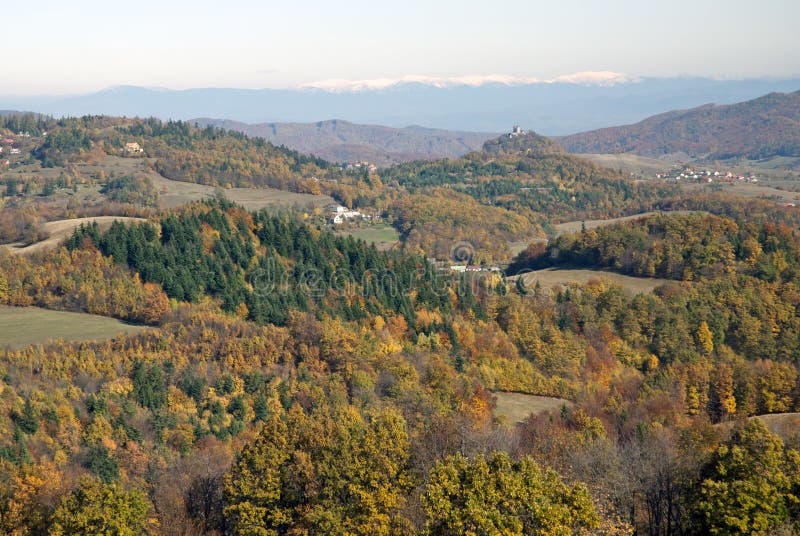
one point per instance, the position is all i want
(516, 407)
(22, 326)
(374, 235)
(555, 277)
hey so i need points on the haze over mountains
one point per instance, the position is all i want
(760, 128)
(556, 107)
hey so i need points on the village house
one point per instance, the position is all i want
(340, 214)
(133, 148)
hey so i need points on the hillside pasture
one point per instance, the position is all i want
(515, 408)
(23, 326)
(636, 164)
(556, 277)
(384, 237)
(58, 231)
(176, 193)
(760, 190)
(576, 226)
(172, 193)
(786, 425)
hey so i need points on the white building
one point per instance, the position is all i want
(340, 214)
(516, 130)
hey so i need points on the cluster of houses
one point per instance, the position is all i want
(340, 214)
(360, 166)
(11, 149)
(462, 268)
(704, 175)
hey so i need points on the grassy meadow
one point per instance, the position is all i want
(556, 277)
(23, 326)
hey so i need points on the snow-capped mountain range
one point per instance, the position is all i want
(591, 78)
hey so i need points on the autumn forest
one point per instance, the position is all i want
(288, 377)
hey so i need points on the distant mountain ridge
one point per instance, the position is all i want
(597, 78)
(342, 141)
(760, 128)
(556, 107)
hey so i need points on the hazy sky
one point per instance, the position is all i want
(56, 47)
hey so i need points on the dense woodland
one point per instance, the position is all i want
(293, 381)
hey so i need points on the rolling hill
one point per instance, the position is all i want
(343, 141)
(760, 128)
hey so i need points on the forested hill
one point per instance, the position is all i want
(179, 150)
(511, 189)
(342, 141)
(261, 267)
(682, 247)
(520, 145)
(759, 128)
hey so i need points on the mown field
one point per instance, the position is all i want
(516, 407)
(383, 237)
(23, 326)
(554, 277)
